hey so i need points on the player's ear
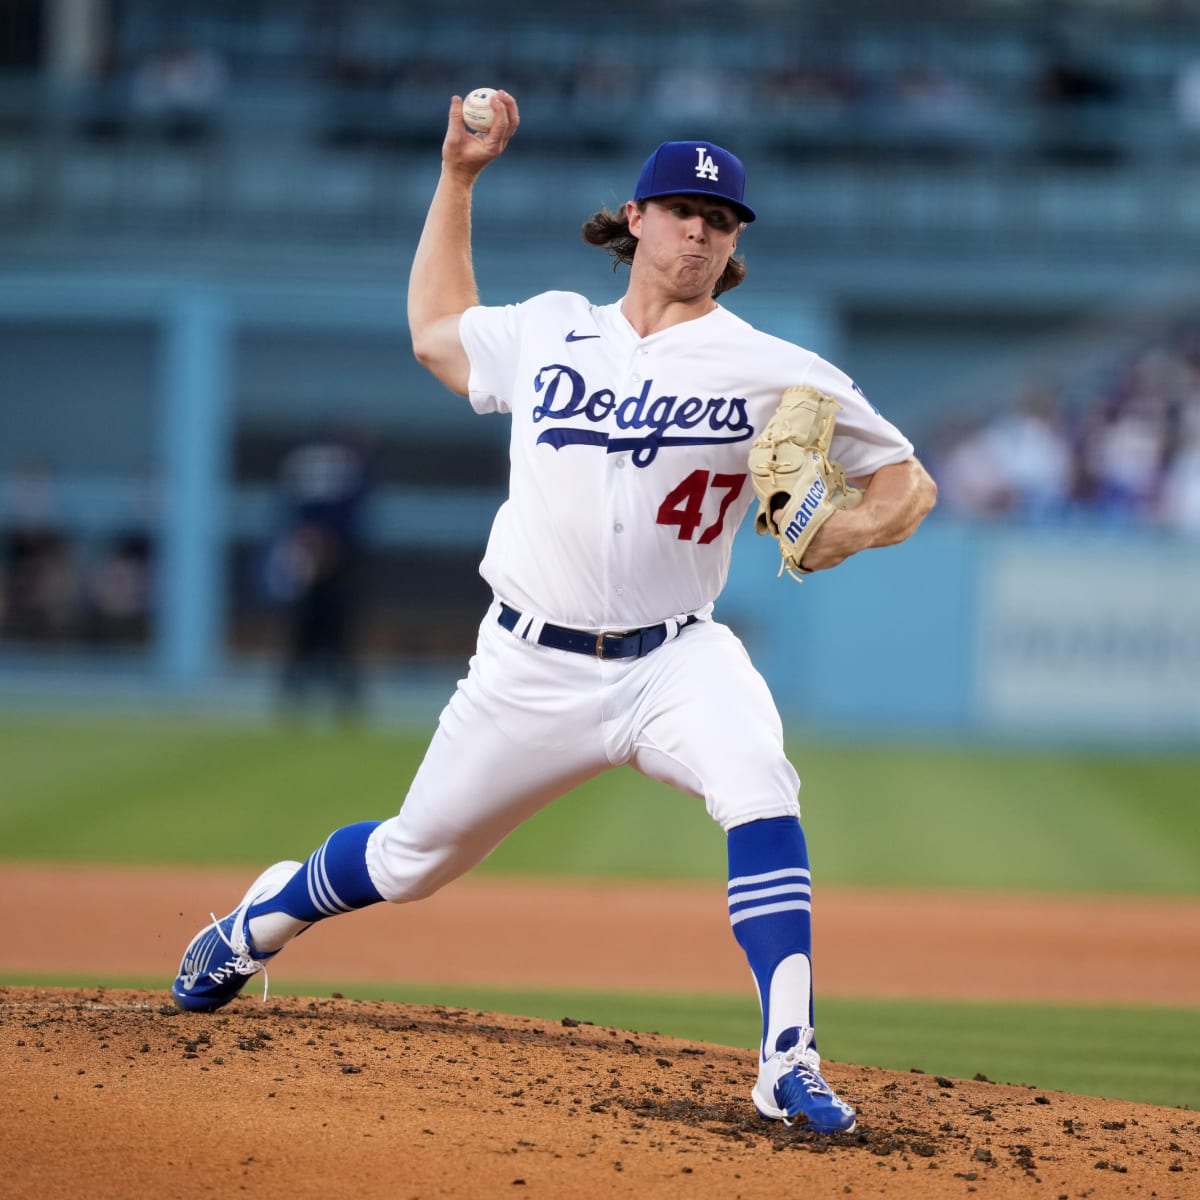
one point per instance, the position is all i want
(633, 217)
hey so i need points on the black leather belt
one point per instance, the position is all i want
(633, 643)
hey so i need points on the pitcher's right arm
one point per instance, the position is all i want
(441, 283)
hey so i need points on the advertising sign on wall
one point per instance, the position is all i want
(1083, 638)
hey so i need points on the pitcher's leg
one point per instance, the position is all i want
(476, 784)
(521, 730)
(512, 739)
(711, 728)
(770, 907)
(280, 904)
(706, 723)
(332, 881)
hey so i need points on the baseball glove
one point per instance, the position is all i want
(799, 487)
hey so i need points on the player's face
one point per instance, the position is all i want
(687, 240)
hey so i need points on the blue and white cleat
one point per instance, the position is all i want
(220, 960)
(790, 1086)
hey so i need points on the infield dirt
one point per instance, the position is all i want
(114, 1093)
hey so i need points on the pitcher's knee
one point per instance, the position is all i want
(769, 789)
(746, 807)
(404, 868)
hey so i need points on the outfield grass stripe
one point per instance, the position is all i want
(148, 789)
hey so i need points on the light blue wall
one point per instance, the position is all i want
(886, 639)
(1077, 633)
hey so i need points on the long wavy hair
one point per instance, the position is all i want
(610, 231)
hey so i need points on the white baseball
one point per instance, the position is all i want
(477, 110)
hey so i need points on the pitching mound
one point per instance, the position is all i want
(113, 1093)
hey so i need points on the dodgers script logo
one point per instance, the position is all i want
(566, 396)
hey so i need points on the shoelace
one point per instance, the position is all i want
(242, 963)
(807, 1064)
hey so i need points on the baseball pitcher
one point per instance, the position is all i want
(641, 432)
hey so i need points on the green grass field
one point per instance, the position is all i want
(127, 789)
(171, 790)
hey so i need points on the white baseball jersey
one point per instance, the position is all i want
(628, 454)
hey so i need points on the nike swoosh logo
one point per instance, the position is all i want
(580, 337)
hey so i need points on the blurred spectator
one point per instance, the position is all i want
(1122, 455)
(970, 480)
(315, 568)
(120, 581)
(1034, 451)
(41, 582)
(120, 591)
(1128, 449)
(178, 92)
(1127, 437)
(1018, 464)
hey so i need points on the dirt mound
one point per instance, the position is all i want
(113, 1093)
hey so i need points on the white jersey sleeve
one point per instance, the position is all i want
(863, 439)
(491, 338)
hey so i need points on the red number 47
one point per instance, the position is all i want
(684, 504)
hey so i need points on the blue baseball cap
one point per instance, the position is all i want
(695, 169)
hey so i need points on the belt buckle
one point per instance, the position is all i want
(600, 645)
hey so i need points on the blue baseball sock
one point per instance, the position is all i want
(334, 880)
(770, 908)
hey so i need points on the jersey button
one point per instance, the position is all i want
(620, 464)
(618, 528)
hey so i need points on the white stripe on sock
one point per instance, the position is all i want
(764, 910)
(769, 876)
(339, 906)
(317, 900)
(784, 889)
(316, 888)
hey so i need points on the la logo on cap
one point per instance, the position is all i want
(695, 169)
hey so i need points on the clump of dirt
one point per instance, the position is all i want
(115, 1093)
